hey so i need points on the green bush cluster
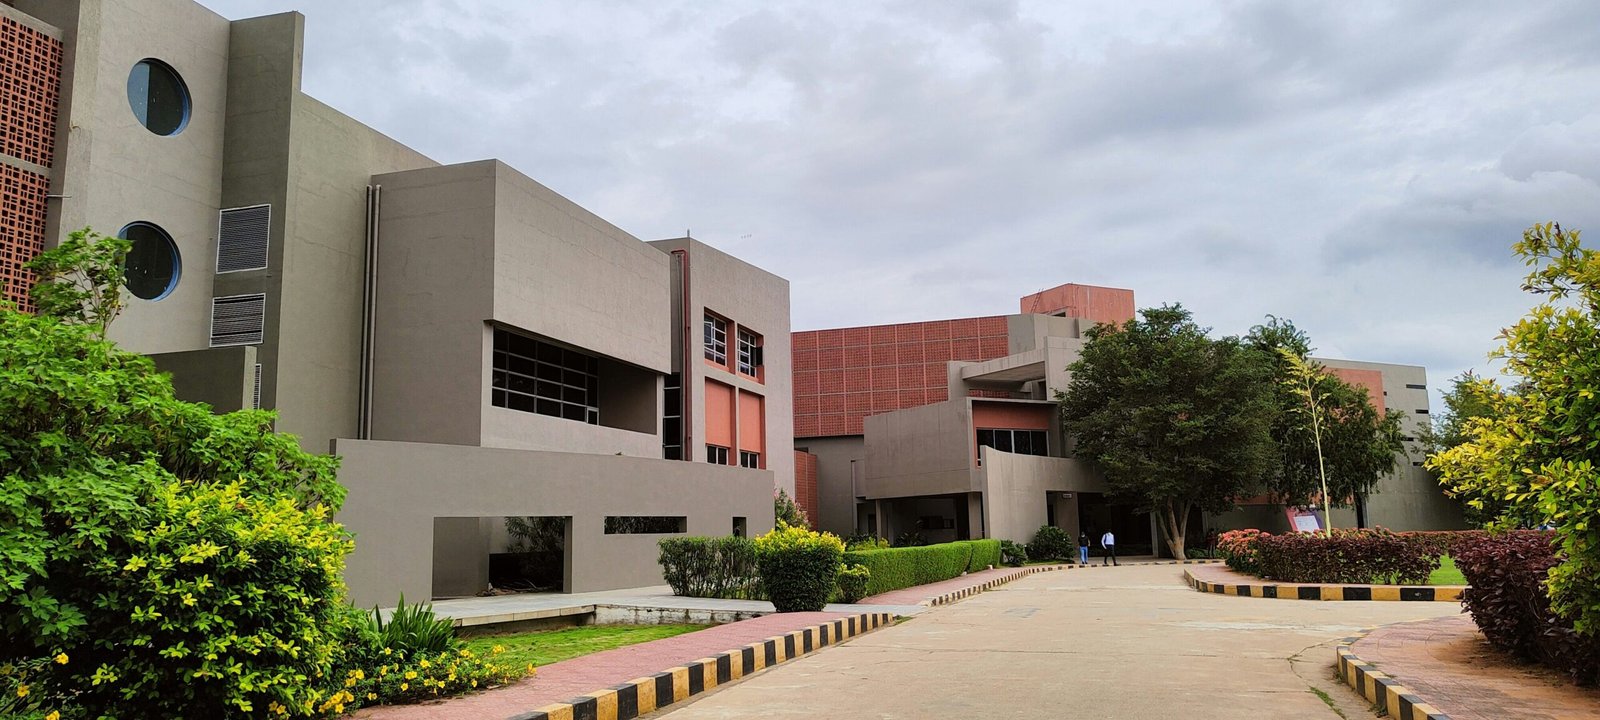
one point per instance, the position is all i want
(798, 567)
(1052, 543)
(866, 542)
(722, 567)
(852, 582)
(903, 567)
(1013, 554)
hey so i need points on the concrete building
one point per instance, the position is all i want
(949, 429)
(474, 345)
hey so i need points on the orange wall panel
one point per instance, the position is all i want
(1371, 380)
(753, 423)
(719, 414)
(1100, 304)
(1012, 416)
(805, 484)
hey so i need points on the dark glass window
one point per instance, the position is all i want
(749, 459)
(716, 455)
(1021, 442)
(152, 264)
(538, 377)
(158, 97)
(716, 339)
(749, 352)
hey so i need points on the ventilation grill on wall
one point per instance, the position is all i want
(255, 399)
(243, 235)
(238, 320)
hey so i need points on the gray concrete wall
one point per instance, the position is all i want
(920, 451)
(332, 160)
(755, 299)
(565, 273)
(397, 489)
(435, 290)
(116, 172)
(223, 378)
(837, 458)
(1016, 489)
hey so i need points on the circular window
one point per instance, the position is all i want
(152, 264)
(158, 96)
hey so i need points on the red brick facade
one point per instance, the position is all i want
(805, 484)
(841, 376)
(30, 82)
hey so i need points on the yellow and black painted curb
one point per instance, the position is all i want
(1401, 593)
(1399, 701)
(645, 695)
(990, 584)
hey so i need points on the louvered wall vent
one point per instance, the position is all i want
(255, 400)
(238, 320)
(243, 235)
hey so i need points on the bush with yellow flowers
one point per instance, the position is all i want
(26, 691)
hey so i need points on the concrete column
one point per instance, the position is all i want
(975, 516)
(460, 557)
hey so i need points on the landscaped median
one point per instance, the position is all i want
(1222, 581)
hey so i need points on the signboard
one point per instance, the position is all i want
(1303, 520)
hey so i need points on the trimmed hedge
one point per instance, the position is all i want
(799, 567)
(899, 568)
(853, 581)
(711, 567)
(1377, 557)
(1509, 601)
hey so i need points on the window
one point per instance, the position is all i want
(152, 265)
(1021, 442)
(645, 525)
(749, 459)
(750, 360)
(546, 379)
(716, 339)
(158, 97)
(739, 527)
(672, 418)
(716, 455)
(1414, 386)
(1422, 411)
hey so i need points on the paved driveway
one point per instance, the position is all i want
(1127, 643)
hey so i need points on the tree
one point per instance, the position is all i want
(80, 281)
(1537, 448)
(1330, 439)
(786, 512)
(1173, 419)
(1469, 397)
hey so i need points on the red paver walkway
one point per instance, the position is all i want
(570, 678)
(1450, 666)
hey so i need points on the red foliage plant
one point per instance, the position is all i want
(1509, 602)
(1374, 556)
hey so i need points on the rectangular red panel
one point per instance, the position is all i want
(803, 340)
(908, 332)
(830, 381)
(805, 484)
(719, 414)
(908, 352)
(804, 359)
(753, 423)
(857, 336)
(857, 379)
(857, 356)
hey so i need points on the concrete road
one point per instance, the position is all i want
(1127, 643)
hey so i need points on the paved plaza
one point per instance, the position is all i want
(1128, 643)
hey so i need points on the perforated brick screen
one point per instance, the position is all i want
(30, 82)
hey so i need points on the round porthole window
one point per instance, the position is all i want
(152, 264)
(158, 97)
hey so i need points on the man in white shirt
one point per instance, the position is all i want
(1109, 542)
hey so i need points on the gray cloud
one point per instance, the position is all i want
(1361, 168)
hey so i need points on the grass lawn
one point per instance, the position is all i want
(1447, 574)
(544, 647)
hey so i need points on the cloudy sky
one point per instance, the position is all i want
(1360, 168)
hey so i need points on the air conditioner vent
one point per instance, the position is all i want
(243, 236)
(255, 398)
(238, 320)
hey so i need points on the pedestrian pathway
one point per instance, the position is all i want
(1448, 664)
(564, 680)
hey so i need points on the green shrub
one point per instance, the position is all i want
(798, 567)
(1013, 554)
(1052, 543)
(415, 629)
(412, 657)
(722, 567)
(786, 512)
(866, 542)
(853, 581)
(897, 568)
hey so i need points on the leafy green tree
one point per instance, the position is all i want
(1173, 419)
(184, 562)
(1469, 397)
(786, 512)
(1537, 448)
(81, 280)
(1330, 439)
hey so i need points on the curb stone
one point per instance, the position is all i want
(1330, 592)
(645, 695)
(1397, 700)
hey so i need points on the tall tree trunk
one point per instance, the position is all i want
(1174, 518)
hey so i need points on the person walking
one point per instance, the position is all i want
(1083, 547)
(1109, 542)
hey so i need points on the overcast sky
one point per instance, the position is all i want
(1359, 168)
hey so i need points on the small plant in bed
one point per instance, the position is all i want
(544, 647)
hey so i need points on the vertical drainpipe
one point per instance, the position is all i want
(369, 298)
(684, 396)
